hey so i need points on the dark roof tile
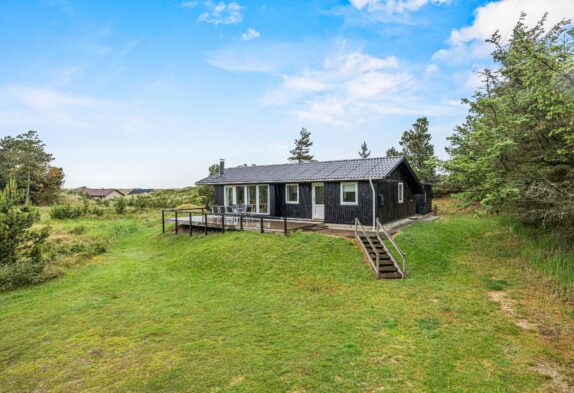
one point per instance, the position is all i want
(356, 169)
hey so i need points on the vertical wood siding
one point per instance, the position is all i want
(301, 210)
(335, 213)
(388, 206)
(219, 195)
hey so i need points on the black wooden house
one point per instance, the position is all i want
(335, 192)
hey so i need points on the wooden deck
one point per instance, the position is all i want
(197, 221)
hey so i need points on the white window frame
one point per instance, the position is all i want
(356, 185)
(401, 192)
(268, 199)
(296, 201)
(234, 194)
(225, 201)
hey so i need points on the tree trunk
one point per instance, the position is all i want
(28, 189)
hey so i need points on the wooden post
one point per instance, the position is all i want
(205, 223)
(176, 222)
(241, 222)
(162, 221)
(261, 225)
(223, 223)
(285, 225)
(190, 222)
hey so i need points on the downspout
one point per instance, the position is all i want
(374, 202)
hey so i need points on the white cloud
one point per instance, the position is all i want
(50, 104)
(221, 13)
(393, 6)
(468, 43)
(336, 85)
(189, 4)
(250, 34)
(344, 78)
(431, 69)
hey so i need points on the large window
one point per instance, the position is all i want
(263, 199)
(229, 196)
(251, 196)
(349, 194)
(401, 193)
(240, 195)
(255, 196)
(292, 193)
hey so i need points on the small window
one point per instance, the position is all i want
(292, 193)
(349, 194)
(401, 193)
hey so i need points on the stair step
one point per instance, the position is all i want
(391, 275)
(388, 268)
(380, 250)
(381, 255)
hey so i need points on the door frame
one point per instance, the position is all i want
(313, 204)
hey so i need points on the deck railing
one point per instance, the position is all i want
(381, 229)
(227, 221)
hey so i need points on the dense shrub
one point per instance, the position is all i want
(165, 199)
(62, 212)
(120, 205)
(22, 259)
(65, 212)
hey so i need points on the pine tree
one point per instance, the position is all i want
(22, 259)
(392, 152)
(302, 147)
(364, 152)
(419, 151)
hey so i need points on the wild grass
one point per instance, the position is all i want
(250, 312)
(551, 255)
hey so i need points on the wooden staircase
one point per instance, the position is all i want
(380, 258)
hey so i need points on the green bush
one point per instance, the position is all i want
(66, 212)
(22, 259)
(120, 205)
(63, 212)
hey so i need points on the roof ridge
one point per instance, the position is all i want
(314, 162)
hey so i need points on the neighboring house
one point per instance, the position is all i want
(335, 192)
(139, 191)
(100, 193)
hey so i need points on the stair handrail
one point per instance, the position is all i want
(376, 265)
(403, 255)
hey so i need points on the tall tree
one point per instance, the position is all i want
(25, 159)
(419, 151)
(364, 152)
(392, 152)
(515, 152)
(49, 186)
(302, 149)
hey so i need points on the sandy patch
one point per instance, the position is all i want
(556, 380)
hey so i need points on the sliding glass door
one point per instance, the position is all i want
(263, 199)
(257, 196)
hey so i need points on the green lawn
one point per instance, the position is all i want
(245, 312)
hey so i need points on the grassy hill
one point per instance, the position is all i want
(250, 312)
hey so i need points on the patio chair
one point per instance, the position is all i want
(248, 216)
(215, 209)
(229, 219)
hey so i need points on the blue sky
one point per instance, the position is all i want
(149, 94)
